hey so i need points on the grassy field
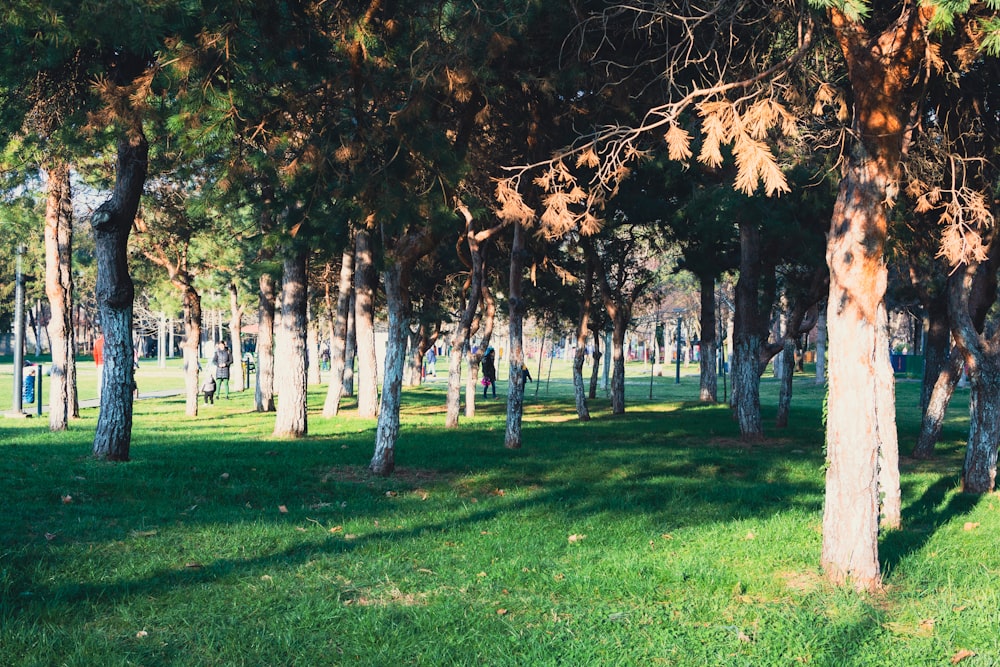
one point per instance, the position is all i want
(653, 538)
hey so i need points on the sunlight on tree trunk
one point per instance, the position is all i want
(291, 418)
(59, 290)
(338, 342)
(365, 280)
(264, 390)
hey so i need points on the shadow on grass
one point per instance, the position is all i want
(922, 518)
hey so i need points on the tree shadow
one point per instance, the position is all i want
(923, 517)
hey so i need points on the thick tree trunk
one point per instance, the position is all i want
(595, 370)
(861, 421)
(979, 470)
(338, 338)
(112, 223)
(264, 391)
(515, 314)
(365, 280)
(748, 338)
(785, 393)
(237, 378)
(291, 419)
(59, 289)
(397, 303)
(937, 346)
(709, 387)
(192, 338)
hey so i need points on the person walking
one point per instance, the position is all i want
(222, 359)
(208, 386)
(490, 372)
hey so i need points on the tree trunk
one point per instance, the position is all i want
(365, 280)
(59, 289)
(595, 370)
(821, 345)
(709, 388)
(582, 329)
(264, 391)
(312, 346)
(112, 223)
(747, 337)
(940, 396)
(475, 359)
(397, 303)
(785, 393)
(192, 339)
(463, 330)
(979, 470)
(236, 337)
(350, 349)
(515, 314)
(620, 320)
(291, 418)
(937, 346)
(338, 338)
(861, 421)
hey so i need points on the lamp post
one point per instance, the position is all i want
(678, 312)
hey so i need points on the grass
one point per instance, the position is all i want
(649, 538)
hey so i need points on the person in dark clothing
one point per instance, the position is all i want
(223, 359)
(490, 372)
(208, 388)
(525, 375)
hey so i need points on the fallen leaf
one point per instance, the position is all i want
(300, 529)
(50, 536)
(959, 608)
(481, 574)
(970, 525)
(266, 577)
(961, 655)
(750, 536)
(282, 509)
(576, 538)
(742, 636)
(67, 499)
(501, 612)
(141, 634)
(224, 476)
(143, 533)
(666, 536)
(391, 494)
(500, 492)
(337, 529)
(193, 565)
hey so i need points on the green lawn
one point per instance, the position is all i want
(645, 539)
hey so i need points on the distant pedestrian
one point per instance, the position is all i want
(525, 375)
(490, 372)
(208, 386)
(223, 359)
(431, 359)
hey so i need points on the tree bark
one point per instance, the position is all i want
(582, 330)
(821, 344)
(475, 358)
(785, 393)
(191, 304)
(365, 280)
(709, 386)
(236, 337)
(59, 289)
(350, 349)
(338, 338)
(515, 324)
(312, 345)
(397, 303)
(620, 319)
(264, 391)
(861, 428)
(932, 419)
(595, 371)
(748, 337)
(112, 223)
(291, 419)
